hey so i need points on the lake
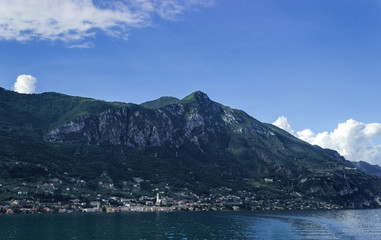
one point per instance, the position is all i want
(334, 224)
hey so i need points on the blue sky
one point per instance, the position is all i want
(316, 62)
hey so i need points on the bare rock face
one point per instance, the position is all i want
(115, 127)
(171, 125)
(112, 126)
(77, 128)
(197, 122)
(194, 120)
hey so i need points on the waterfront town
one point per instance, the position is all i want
(158, 201)
(147, 204)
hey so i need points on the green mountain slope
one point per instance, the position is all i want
(55, 146)
(161, 102)
(37, 113)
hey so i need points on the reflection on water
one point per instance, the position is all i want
(340, 224)
(343, 224)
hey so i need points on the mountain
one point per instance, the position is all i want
(58, 147)
(369, 168)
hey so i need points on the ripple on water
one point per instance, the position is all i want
(299, 225)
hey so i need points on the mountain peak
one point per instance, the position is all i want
(196, 96)
(201, 96)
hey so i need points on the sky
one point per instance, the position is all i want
(311, 67)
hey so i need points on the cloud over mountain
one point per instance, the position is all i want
(282, 123)
(74, 20)
(352, 139)
(25, 84)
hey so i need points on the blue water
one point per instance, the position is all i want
(337, 224)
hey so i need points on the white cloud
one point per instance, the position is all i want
(306, 135)
(352, 139)
(76, 20)
(25, 84)
(81, 45)
(282, 123)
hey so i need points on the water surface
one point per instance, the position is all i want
(338, 224)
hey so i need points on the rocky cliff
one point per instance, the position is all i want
(194, 121)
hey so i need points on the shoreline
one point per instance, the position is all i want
(158, 209)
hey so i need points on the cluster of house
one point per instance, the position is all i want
(117, 204)
(182, 201)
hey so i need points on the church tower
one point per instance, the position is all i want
(158, 200)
